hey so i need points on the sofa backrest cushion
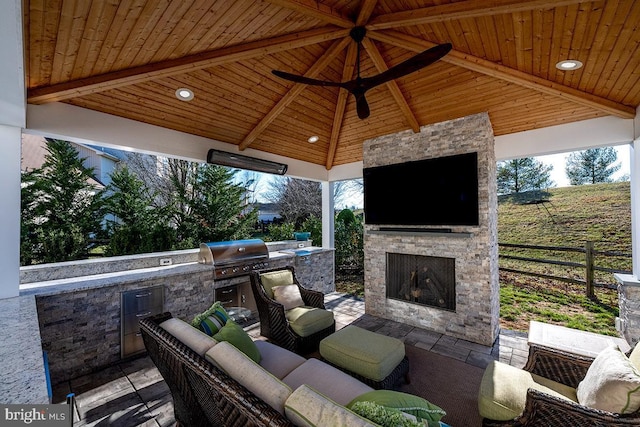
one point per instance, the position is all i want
(278, 360)
(612, 383)
(272, 279)
(193, 338)
(332, 382)
(307, 407)
(251, 375)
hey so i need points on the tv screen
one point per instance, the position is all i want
(440, 191)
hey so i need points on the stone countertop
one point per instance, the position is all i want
(74, 284)
(22, 372)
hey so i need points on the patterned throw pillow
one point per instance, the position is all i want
(421, 408)
(212, 320)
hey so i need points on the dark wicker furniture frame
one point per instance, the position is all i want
(202, 394)
(542, 409)
(273, 322)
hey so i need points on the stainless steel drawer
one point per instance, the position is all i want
(136, 305)
(228, 296)
(142, 300)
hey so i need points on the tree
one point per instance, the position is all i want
(297, 199)
(134, 225)
(592, 166)
(65, 208)
(349, 243)
(518, 175)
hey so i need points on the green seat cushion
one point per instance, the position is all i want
(363, 352)
(503, 391)
(420, 408)
(235, 335)
(307, 321)
(272, 279)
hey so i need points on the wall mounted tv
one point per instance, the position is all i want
(439, 191)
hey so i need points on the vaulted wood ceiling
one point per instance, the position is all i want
(128, 57)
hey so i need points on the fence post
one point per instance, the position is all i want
(589, 264)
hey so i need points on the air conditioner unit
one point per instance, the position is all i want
(234, 160)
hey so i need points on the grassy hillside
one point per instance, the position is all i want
(566, 217)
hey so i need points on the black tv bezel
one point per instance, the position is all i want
(464, 181)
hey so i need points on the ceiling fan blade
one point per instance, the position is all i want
(409, 66)
(304, 80)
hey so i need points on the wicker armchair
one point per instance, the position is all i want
(542, 409)
(274, 323)
(202, 394)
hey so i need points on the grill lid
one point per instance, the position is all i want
(233, 252)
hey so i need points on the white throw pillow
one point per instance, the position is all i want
(289, 296)
(612, 383)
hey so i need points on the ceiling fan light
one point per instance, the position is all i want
(313, 139)
(184, 94)
(569, 65)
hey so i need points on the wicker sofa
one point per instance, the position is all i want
(216, 384)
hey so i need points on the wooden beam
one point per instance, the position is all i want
(341, 104)
(313, 72)
(462, 10)
(366, 9)
(393, 87)
(316, 10)
(143, 73)
(508, 74)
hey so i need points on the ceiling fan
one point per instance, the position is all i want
(360, 85)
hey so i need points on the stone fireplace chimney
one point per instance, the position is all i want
(472, 249)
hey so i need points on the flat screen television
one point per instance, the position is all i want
(441, 191)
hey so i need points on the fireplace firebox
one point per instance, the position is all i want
(420, 279)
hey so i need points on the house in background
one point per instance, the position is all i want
(103, 162)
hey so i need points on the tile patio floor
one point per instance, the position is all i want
(133, 392)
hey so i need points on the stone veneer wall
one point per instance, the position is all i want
(80, 328)
(629, 304)
(475, 249)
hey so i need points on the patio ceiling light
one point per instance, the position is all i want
(184, 94)
(313, 139)
(569, 65)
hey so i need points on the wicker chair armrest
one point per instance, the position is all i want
(557, 365)
(544, 409)
(312, 298)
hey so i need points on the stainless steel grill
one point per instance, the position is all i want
(235, 257)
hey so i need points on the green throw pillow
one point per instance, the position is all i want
(212, 320)
(386, 417)
(421, 408)
(236, 336)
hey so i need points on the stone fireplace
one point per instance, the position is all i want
(443, 279)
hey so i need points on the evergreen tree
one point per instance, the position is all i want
(65, 208)
(592, 166)
(518, 175)
(134, 225)
(211, 207)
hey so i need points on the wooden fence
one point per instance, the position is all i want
(587, 263)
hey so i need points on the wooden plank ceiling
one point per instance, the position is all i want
(128, 57)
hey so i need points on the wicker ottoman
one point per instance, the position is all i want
(375, 359)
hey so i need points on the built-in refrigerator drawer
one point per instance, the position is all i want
(136, 305)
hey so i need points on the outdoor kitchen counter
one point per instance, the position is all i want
(74, 284)
(22, 373)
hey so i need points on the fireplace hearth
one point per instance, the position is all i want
(425, 280)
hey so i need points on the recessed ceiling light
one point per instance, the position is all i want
(313, 139)
(184, 94)
(568, 65)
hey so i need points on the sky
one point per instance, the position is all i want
(558, 161)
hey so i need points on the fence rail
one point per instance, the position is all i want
(588, 265)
